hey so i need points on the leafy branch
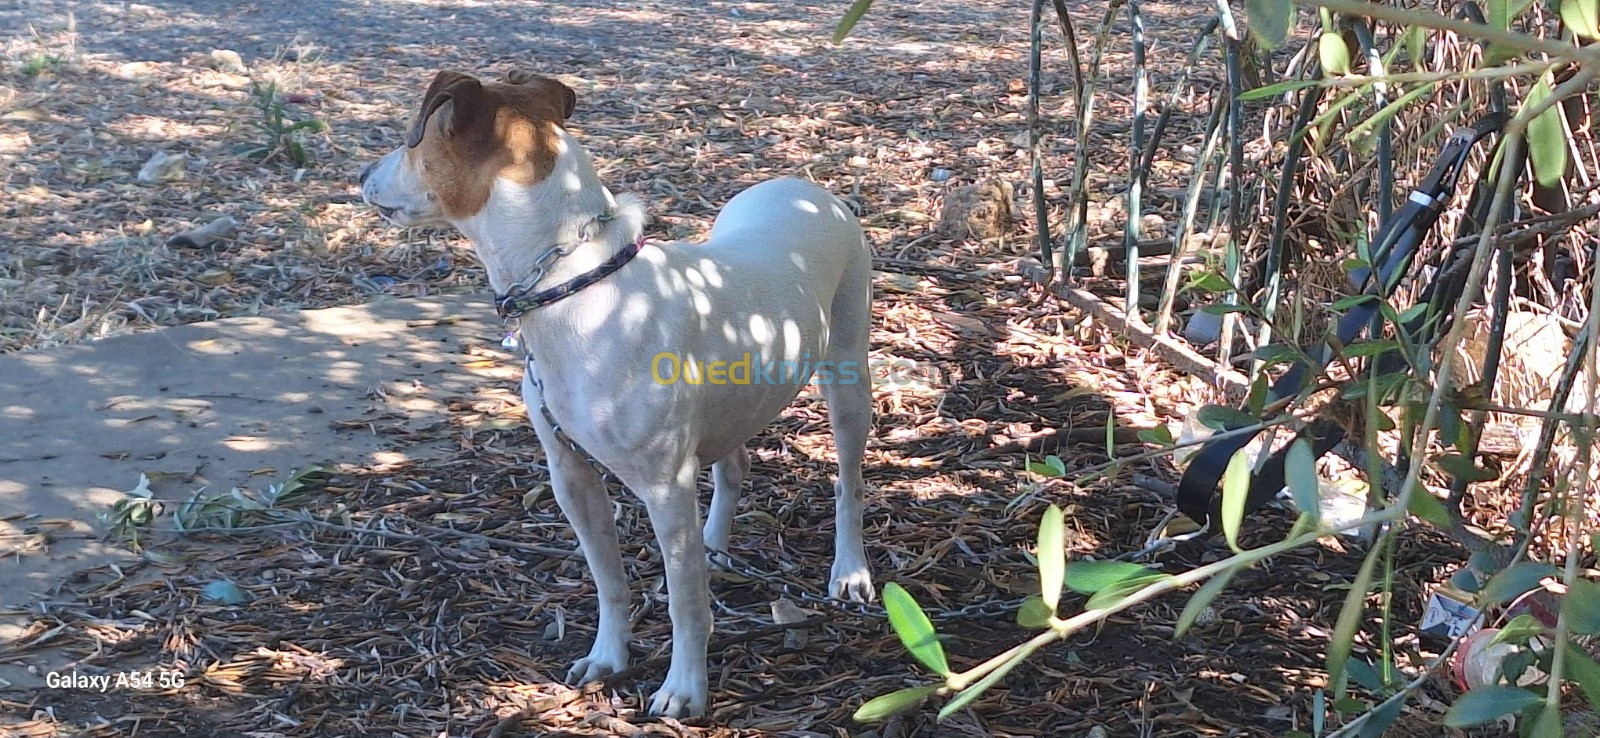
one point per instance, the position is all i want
(1112, 586)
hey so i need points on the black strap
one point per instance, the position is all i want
(516, 303)
(1393, 251)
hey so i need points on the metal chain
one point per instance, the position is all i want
(541, 263)
(561, 435)
(987, 609)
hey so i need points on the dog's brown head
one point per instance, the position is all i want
(466, 134)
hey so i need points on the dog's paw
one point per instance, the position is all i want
(682, 694)
(851, 581)
(602, 661)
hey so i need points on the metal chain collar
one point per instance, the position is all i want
(541, 263)
(987, 609)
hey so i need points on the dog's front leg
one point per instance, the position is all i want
(586, 503)
(675, 515)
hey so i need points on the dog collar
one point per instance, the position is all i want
(516, 303)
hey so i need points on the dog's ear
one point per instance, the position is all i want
(462, 91)
(550, 86)
(571, 104)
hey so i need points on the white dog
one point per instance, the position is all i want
(656, 359)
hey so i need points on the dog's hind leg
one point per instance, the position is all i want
(727, 477)
(586, 504)
(850, 415)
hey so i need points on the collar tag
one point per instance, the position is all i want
(511, 342)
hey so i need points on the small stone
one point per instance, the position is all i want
(215, 277)
(200, 237)
(162, 167)
(1203, 328)
(762, 104)
(227, 60)
(904, 284)
(785, 612)
(983, 210)
(1032, 270)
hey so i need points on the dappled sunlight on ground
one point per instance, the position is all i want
(684, 105)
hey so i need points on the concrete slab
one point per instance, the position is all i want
(240, 402)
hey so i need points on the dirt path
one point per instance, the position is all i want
(239, 403)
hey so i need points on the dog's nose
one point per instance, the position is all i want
(366, 172)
